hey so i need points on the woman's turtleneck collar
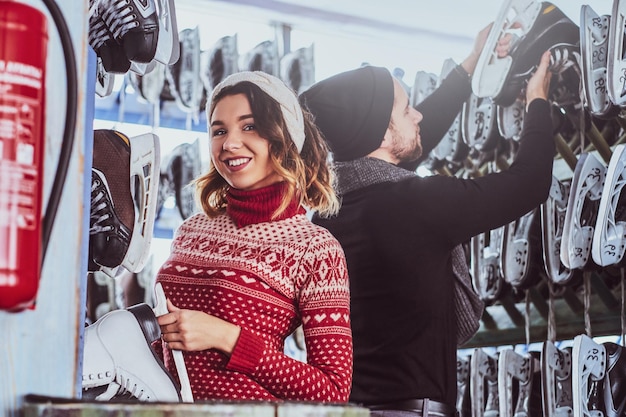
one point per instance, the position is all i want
(257, 206)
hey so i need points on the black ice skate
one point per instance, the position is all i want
(101, 39)
(582, 212)
(484, 384)
(541, 26)
(184, 76)
(149, 85)
(297, 69)
(589, 364)
(485, 265)
(263, 57)
(521, 251)
(594, 40)
(552, 222)
(519, 388)
(181, 167)
(556, 380)
(219, 62)
(616, 60)
(609, 237)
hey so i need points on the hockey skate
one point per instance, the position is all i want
(609, 237)
(168, 46)
(485, 265)
(463, 402)
(536, 26)
(123, 200)
(616, 60)
(150, 85)
(484, 384)
(104, 80)
(297, 69)
(117, 354)
(589, 364)
(582, 212)
(180, 168)
(510, 120)
(102, 41)
(552, 222)
(594, 39)
(556, 380)
(521, 249)
(263, 57)
(184, 76)
(219, 62)
(478, 124)
(518, 384)
(423, 86)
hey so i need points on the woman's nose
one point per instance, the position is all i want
(231, 143)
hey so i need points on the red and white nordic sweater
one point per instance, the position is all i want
(267, 277)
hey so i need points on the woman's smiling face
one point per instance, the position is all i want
(238, 152)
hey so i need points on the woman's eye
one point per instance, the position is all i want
(218, 132)
(249, 127)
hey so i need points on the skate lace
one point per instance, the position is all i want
(98, 32)
(120, 17)
(100, 219)
(126, 385)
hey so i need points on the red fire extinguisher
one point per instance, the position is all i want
(23, 48)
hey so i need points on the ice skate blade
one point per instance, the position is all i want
(145, 158)
(514, 398)
(594, 39)
(463, 385)
(485, 264)
(484, 384)
(168, 47)
(556, 381)
(219, 62)
(552, 222)
(582, 211)
(478, 123)
(425, 83)
(609, 237)
(491, 71)
(588, 365)
(510, 120)
(104, 80)
(519, 250)
(616, 63)
(446, 147)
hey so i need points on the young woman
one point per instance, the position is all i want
(251, 268)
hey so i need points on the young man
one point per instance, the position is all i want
(398, 230)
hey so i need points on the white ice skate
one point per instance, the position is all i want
(447, 146)
(552, 222)
(582, 211)
(521, 250)
(478, 123)
(589, 361)
(168, 46)
(297, 68)
(485, 264)
(425, 83)
(594, 39)
(263, 57)
(510, 120)
(556, 380)
(220, 61)
(463, 385)
(517, 376)
(616, 60)
(484, 384)
(609, 237)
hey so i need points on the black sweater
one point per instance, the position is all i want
(397, 239)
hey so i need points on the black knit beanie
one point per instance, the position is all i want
(352, 110)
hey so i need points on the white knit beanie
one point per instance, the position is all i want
(278, 90)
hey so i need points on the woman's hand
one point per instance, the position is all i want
(193, 330)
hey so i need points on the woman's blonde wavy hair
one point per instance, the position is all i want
(308, 170)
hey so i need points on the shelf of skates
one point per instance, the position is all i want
(560, 266)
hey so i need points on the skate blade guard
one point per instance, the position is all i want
(144, 173)
(594, 40)
(609, 237)
(484, 384)
(556, 380)
(616, 64)
(552, 222)
(582, 210)
(588, 367)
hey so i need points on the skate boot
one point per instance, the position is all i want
(184, 76)
(615, 381)
(263, 57)
(219, 62)
(541, 26)
(521, 251)
(297, 69)
(463, 401)
(556, 380)
(149, 85)
(589, 365)
(510, 120)
(425, 83)
(519, 392)
(101, 295)
(183, 165)
(484, 384)
(552, 223)
(123, 199)
(110, 51)
(594, 39)
(117, 354)
(609, 237)
(616, 61)
(478, 124)
(582, 212)
(104, 80)
(485, 265)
